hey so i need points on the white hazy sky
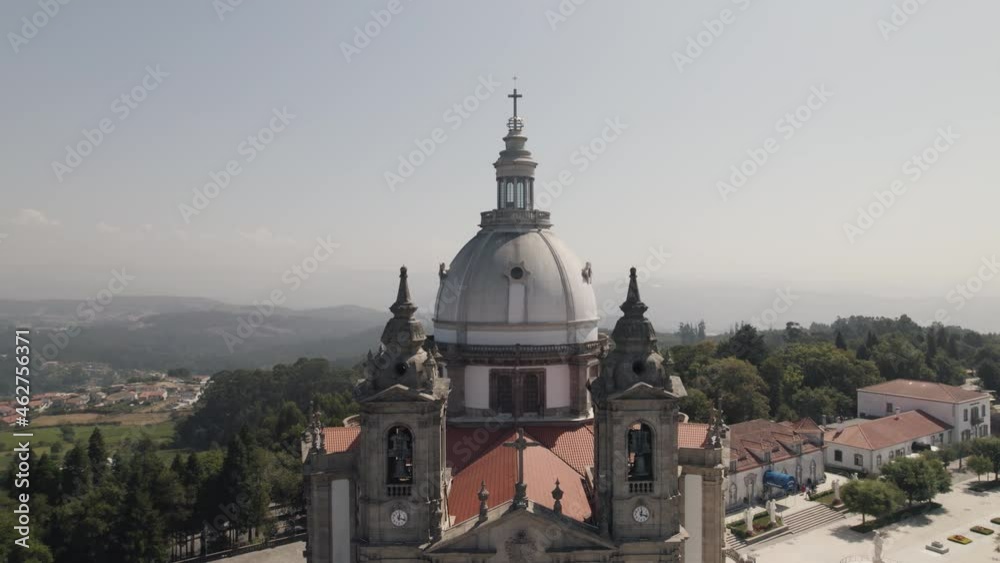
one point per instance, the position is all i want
(655, 186)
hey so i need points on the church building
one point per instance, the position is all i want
(517, 432)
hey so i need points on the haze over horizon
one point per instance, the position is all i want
(343, 113)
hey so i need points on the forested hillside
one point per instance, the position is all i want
(816, 371)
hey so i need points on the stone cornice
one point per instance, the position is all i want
(511, 355)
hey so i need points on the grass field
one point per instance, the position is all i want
(44, 438)
(129, 419)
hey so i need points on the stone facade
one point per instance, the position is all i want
(576, 433)
(651, 499)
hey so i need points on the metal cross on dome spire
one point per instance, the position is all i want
(515, 96)
(515, 123)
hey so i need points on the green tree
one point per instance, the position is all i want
(989, 373)
(151, 505)
(76, 473)
(897, 358)
(871, 341)
(37, 552)
(82, 529)
(68, 433)
(979, 465)
(816, 402)
(931, 346)
(97, 454)
(794, 332)
(920, 478)
(773, 373)
(740, 387)
(941, 336)
(823, 365)
(242, 486)
(953, 346)
(687, 333)
(697, 406)
(988, 448)
(862, 353)
(45, 478)
(948, 370)
(690, 360)
(746, 344)
(840, 343)
(871, 497)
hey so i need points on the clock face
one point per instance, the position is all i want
(399, 518)
(640, 514)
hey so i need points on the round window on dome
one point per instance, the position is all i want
(401, 368)
(638, 367)
(516, 273)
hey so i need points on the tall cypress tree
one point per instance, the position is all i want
(76, 473)
(872, 341)
(840, 343)
(931, 346)
(953, 346)
(863, 353)
(941, 336)
(97, 454)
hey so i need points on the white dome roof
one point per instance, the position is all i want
(476, 293)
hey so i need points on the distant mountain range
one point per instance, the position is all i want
(205, 335)
(158, 332)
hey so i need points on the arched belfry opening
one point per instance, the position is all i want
(399, 456)
(640, 452)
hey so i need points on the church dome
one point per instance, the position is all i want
(517, 277)
(515, 282)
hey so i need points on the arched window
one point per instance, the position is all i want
(510, 193)
(640, 452)
(520, 194)
(399, 457)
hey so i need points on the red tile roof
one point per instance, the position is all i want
(692, 435)
(475, 454)
(889, 431)
(805, 425)
(750, 443)
(498, 468)
(573, 443)
(339, 439)
(925, 390)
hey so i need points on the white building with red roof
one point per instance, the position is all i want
(865, 446)
(762, 451)
(967, 412)
(518, 432)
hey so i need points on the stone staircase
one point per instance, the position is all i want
(811, 518)
(797, 523)
(733, 542)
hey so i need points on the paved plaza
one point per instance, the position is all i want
(834, 543)
(291, 553)
(904, 541)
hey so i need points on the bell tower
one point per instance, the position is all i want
(635, 439)
(401, 482)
